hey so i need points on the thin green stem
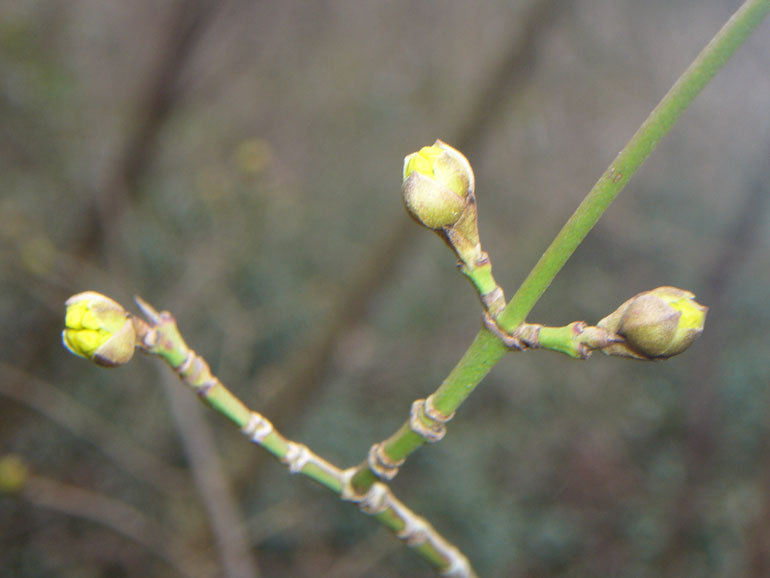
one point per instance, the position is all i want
(577, 339)
(486, 349)
(566, 339)
(658, 123)
(490, 293)
(161, 337)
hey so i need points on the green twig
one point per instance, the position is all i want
(711, 59)
(577, 339)
(486, 350)
(161, 337)
(490, 293)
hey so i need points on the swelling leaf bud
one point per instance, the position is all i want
(438, 183)
(99, 329)
(656, 324)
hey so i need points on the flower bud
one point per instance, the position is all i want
(656, 324)
(99, 329)
(438, 181)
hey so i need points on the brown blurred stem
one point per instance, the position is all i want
(64, 410)
(157, 100)
(213, 486)
(513, 71)
(120, 188)
(119, 517)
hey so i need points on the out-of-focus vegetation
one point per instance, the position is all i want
(239, 163)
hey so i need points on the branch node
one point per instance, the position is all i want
(509, 340)
(184, 367)
(459, 567)
(257, 428)
(347, 492)
(489, 299)
(430, 433)
(430, 411)
(204, 388)
(373, 501)
(415, 531)
(297, 457)
(381, 464)
(146, 335)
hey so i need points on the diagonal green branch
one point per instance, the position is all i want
(486, 350)
(161, 337)
(711, 59)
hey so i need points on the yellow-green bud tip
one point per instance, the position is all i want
(99, 329)
(438, 181)
(656, 324)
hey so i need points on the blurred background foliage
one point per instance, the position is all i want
(239, 163)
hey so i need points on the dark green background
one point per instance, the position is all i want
(237, 164)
